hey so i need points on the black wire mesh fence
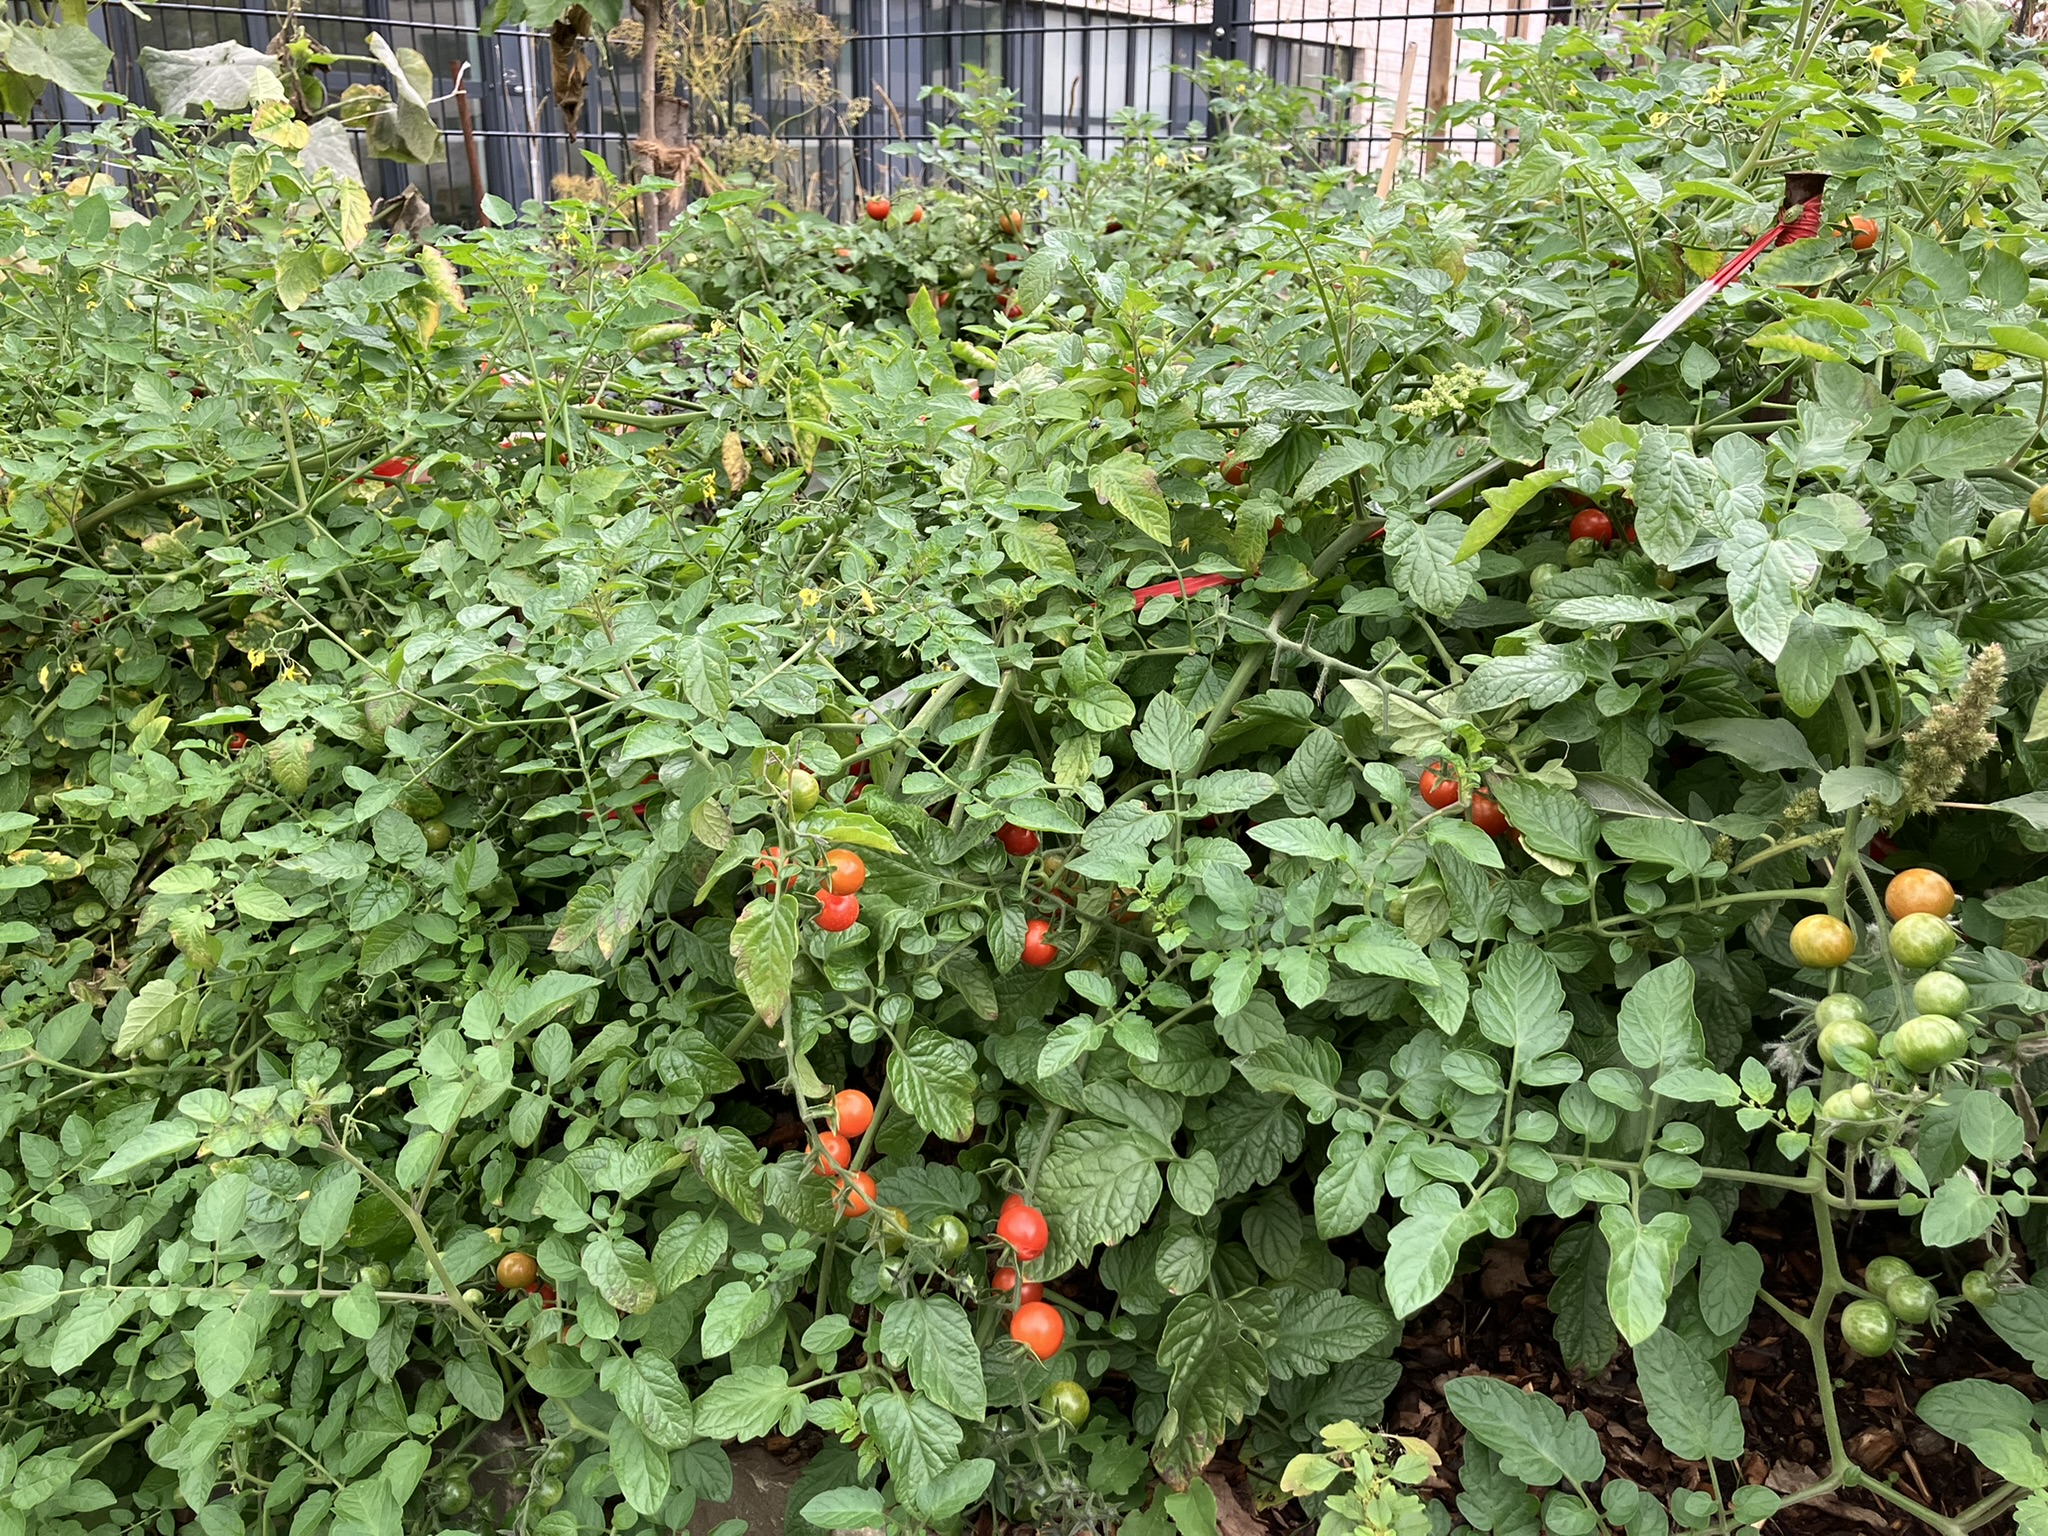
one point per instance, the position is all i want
(826, 126)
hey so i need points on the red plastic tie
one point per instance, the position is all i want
(1185, 587)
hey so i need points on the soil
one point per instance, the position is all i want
(1496, 1321)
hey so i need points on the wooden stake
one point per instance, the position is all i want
(1443, 48)
(1398, 140)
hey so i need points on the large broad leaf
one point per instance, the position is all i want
(68, 55)
(1641, 1265)
(763, 949)
(1099, 1183)
(1536, 1443)
(933, 1078)
(932, 1338)
(1684, 1394)
(1216, 1357)
(219, 75)
(1659, 1030)
(1128, 484)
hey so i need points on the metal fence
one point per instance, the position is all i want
(1077, 67)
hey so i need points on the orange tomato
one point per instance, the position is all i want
(1919, 890)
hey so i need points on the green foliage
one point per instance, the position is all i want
(412, 647)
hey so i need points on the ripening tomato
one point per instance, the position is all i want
(1846, 1035)
(1911, 1300)
(949, 1235)
(1485, 813)
(856, 1194)
(1023, 1228)
(1005, 1279)
(1011, 223)
(517, 1272)
(1839, 1008)
(1868, 1328)
(878, 209)
(1592, 524)
(1021, 842)
(1233, 471)
(1862, 232)
(1921, 941)
(835, 1154)
(1928, 1042)
(917, 214)
(846, 871)
(1038, 1326)
(803, 791)
(1919, 890)
(1942, 992)
(1821, 942)
(836, 914)
(1885, 1271)
(1038, 949)
(852, 1112)
(1439, 788)
(1852, 1111)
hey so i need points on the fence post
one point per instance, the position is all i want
(1443, 48)
(1231, 35)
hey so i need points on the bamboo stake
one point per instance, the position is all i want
(1398, 140)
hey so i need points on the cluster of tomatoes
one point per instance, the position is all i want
(852, 1113)
(1441, 789)
(1036, 1324)
(838, 897)
(1039, 949)
(1870, 1326)
(1932, 1037)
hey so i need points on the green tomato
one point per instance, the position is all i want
(950, 1235)
(1581, 553)
(1543, 575)
(1884, 1272)
(1869, 1329)
(1066, 1401)
(1844, 1035)
(453, 1496)
(1854, 1116)
(160, 1047)
(1912, 1299)
(557, 1459)
(2003, 527)
(1979, 1289)
(375, 1276)
(1837, 1007)
(803, 790)
(1397, 907)
(1921, 941)
(1927, 1043)
(1957, 553)
(437, 833)
(1942, 992)
(547, 1493)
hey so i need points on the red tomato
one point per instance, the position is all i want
(857, 1193)
(1485, 813)
(1039, 1327)
(1038, 949)
(836, 914)
(1021, 842)
(1011, 1201)
(1023, 1228)
(846, 870)
(834, 1153)
(1005, 1279)
(768, 867)
(852, 1112)
(1862, 232)
(1233, 471)
(917, 215)
(237, 744)
(878, 209)
(1439, 789)
(1593, 524)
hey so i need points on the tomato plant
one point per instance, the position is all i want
(351, 957)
